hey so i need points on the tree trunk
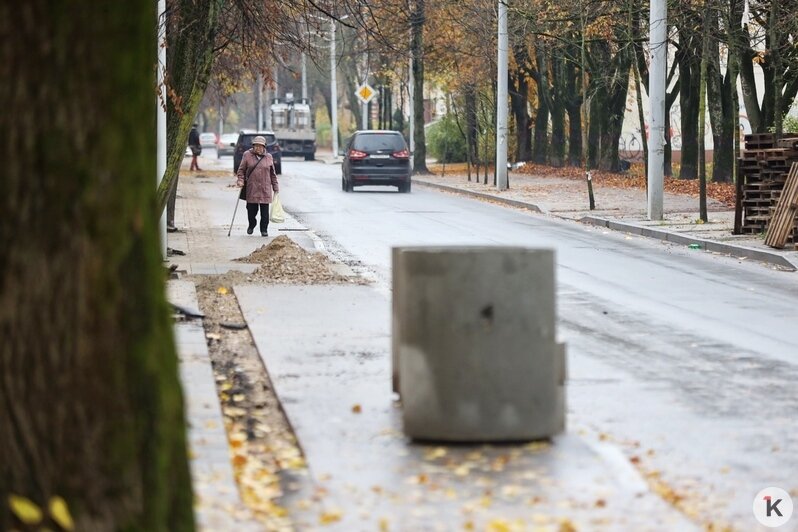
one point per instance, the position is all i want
(721, 114)
(689, 60)
(614, 112)
(519, 101)
(557, 110)
(598, 117)
(541, 145)
(417, 20)
(472, 124)
(91, 407)
(191, 33)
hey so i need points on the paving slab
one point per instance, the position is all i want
(327, 350)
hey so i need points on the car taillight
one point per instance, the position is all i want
(402, 154)
(357, 154)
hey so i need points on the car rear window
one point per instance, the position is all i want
(371, 142)
(246, 140)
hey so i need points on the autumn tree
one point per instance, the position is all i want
(90, 402)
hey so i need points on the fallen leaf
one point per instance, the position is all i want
(498, 525)
(357, 409)
(433, 454)
(222, 290)
(331, 516)
(384, 527)
(566, 526)
(25, 509)
(60, 513)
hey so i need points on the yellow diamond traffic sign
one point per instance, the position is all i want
(365, 93)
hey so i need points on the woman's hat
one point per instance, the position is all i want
(259, 140)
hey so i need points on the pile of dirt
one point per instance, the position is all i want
(284, 261)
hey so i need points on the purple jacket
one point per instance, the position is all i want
(262, 180)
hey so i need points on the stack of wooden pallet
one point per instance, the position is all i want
(764, 165)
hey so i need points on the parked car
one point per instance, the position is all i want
(208, 140)
(376, 157)
(244, 143)
(226, 144)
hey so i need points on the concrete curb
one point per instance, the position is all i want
(511, 202)
(707, 245)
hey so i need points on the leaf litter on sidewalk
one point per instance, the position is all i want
(262, 444)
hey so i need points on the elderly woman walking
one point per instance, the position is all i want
(257, 173)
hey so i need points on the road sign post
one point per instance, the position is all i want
(365, 93)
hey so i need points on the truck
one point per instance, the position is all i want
(293, 125)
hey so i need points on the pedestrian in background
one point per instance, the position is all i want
(257, 173)
(194, 145)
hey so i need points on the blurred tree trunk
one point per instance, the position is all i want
(689, 59)
(540, 147)
(721, 110)
(472, 124)
(90, 402)
(519, 99)
(557, 109)
(417, 20)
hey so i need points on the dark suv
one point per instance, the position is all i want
(245, 142)
(376, 157)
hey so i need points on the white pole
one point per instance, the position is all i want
(364, 107)
(411, 115)
(304, 78)
(160, 165)
(501, 101)
(259, 102)
(658, 48)
(268, 107)
(333, 92)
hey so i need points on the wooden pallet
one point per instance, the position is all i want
(783, 221)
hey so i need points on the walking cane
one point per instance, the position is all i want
(238, 197)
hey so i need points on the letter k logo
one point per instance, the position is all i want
(772, 506)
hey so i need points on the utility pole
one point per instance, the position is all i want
(304, 78)
(259, 102)
(160, 167)
(333, 92)
(410, 96)
(364, 107)
(501, 100)
(658, 48)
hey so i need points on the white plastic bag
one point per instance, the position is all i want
(277, 214)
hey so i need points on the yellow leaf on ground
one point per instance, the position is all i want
(384, 527)
(60, 513)
(331, 516)
(222, 290)
(25, 509)
(499, 525)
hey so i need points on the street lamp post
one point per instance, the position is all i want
(333, 92)
(501, 100)
(658, 48)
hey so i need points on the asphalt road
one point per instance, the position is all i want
(686, 360)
